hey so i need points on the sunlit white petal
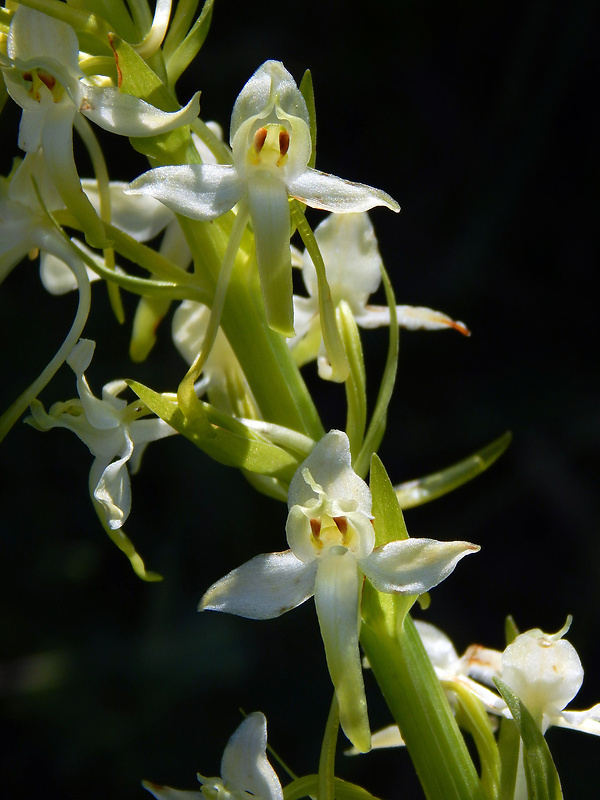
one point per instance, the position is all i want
(263, 588)
(245, 765)
(413, 566)
(198, 191)
(330, 193)
(336, 600)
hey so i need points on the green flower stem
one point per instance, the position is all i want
(331, 335)
(327, 758)
(378, 422)
(417, 701)
(84, 129)
(264, 355)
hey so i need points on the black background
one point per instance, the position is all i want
(480, 118)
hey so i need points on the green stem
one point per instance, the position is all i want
(265, 358)
(327, 758)
(417, 701)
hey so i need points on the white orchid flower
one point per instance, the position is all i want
(245, 769)
(111, 429)
(332, 541)
(271, 146)
(452, 670)
(27, 229)
(25, 226)
(545, 672)
(43, 77)
(349, 248)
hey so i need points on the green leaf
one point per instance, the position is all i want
(543, 782)
(308, 93)
(509, 745)
(510, 630)
(430, 487)
(308, 787)
(389, 525)
(179, 57)
(388, 518)
(228, 441)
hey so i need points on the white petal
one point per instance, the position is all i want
(586, 721)
(99, 414)
(207, 155)
(543, 672)
(263, 588)
(270, 214)
(412, 318)
(35, 35)
(330, 193)
(128, 115)
(245, 766)
(142, 432)
(167, 793)
(31, 126)
(336, 598)
(113, 491)
(81, 356)
(57, 277)
(413, 566)
(483, 663)
(271, 84)
(439, 647)
(386, 737)
(330, 466)
(492, 702)
(349, 248)
(140, 216)
(57, 142)
(199, 191)
(305, 310)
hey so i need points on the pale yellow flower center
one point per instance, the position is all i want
(269, 146)
(37, 77)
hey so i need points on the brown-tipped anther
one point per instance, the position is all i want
(259, 139)
(48, 80)
(342, 524)
(284, 142)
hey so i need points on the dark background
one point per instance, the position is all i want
(480, 118)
